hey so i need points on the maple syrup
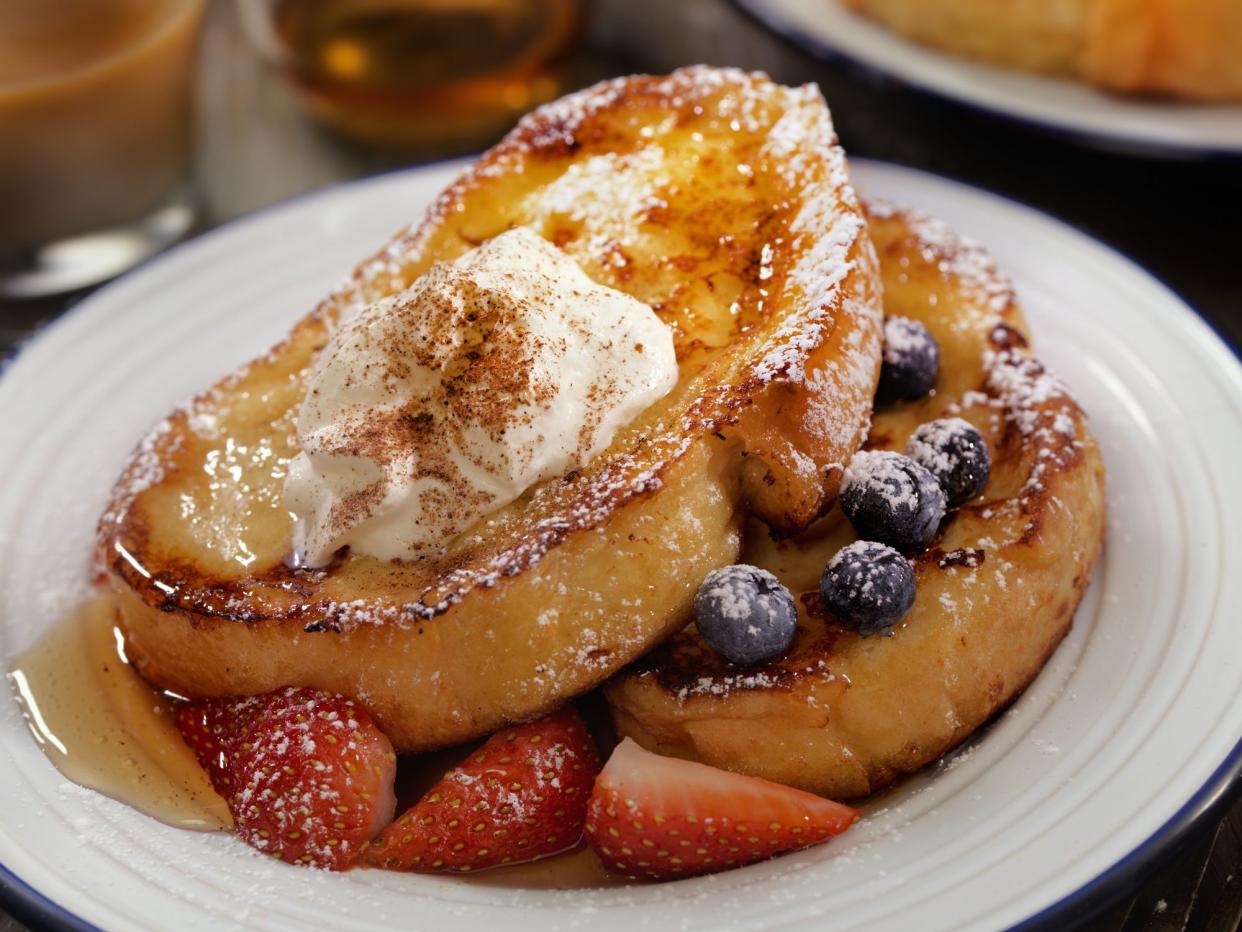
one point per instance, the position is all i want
(424, 71)
(105, 728)
(574, 870)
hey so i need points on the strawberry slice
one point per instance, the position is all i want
(665, 818)
(308, 776)
(213, 729)
(519, 797)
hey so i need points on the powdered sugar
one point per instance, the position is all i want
(730, 590)
(602, 193)
(829, 237)
(931, 443)
(960, 260)
(146, 468)
(882, 473)
(902, 336)
(1021, 385)
(997, 559)
(726, 684)
(860, 572)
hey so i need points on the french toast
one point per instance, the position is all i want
(718, 198)
(1183, 48)
(1044, 36)
(1188, 48)
(843, 715)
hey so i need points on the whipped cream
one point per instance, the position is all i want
(437, 406)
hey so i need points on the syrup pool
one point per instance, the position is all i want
(105, 728)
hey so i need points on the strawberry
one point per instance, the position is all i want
(213, 729)
(308, 776)
(665, 818)
(520, 796)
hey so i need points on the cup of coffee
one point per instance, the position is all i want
(96, 118)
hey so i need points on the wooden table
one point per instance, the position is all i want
(1178, 219)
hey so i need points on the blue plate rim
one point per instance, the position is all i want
(761, 13)
(37, 910)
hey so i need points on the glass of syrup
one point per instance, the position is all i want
(436, 75)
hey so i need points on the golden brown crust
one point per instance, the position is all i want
(1189, 48)
(715, 196)
(1044, 36)
(1185, 48)
(843, 715)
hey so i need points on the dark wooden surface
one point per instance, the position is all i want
(1178, 219)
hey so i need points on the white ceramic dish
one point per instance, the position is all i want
(1130, 732)
(1061, 106)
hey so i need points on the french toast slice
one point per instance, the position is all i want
(1045, 36)
(1179, 48)
(717, 197)
(843, 715)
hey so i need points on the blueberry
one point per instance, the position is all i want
(910, 362)
(868, 587)
(745, 614)
(953, 451)
(891, 498)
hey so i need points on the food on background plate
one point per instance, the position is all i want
(1181, 48)
(531, 439)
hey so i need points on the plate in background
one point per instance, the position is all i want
(1061, 106)
(1128, 735)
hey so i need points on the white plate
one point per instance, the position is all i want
(1128, 734)
(1062, 106)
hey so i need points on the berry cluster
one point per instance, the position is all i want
(308, 776)
(895, 501)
